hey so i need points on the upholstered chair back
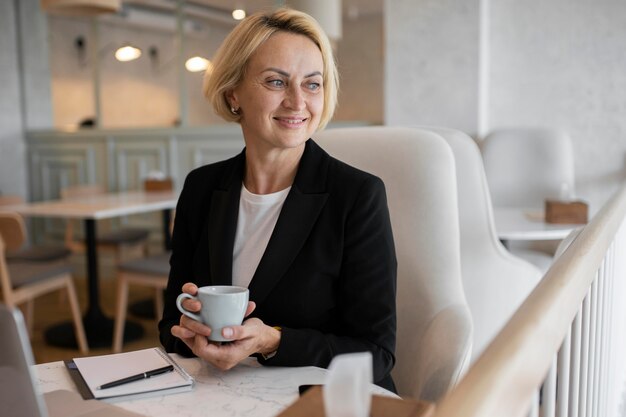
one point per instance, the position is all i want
(434, 324)
(525, 166)
(496, 282)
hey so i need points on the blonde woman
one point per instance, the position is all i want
(308, 235)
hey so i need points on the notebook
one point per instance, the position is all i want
(20, 395)
(89, 373)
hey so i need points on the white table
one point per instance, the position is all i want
(99, 328)
(528, 224)
(249, 389)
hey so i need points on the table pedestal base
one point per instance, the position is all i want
(143, 309)
(99, 333)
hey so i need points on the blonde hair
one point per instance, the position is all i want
(231, 59)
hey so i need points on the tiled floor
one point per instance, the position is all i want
(53, 308)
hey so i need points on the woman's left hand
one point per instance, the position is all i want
(253, 336)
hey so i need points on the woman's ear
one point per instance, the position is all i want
(232, 99)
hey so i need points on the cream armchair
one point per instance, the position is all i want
(525, 166)
(434, 323)
(495, 281)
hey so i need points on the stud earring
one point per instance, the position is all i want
(234, 110)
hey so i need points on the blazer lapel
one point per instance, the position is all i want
(222, 224)
(297, 217)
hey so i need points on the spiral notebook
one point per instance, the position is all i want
(91, 372)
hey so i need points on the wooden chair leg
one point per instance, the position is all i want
(29, 316)
(62, 298)
(120, 314)
(79, 329)
(158, 303)
(119, 254)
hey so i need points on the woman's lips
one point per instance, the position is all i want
(291, 122)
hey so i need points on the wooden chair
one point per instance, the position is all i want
(23, 281)
(10, 200)
(28, 252)
(118, 241)
(151, 271)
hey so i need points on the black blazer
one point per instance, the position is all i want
(327, 276)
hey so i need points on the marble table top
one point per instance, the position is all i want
(249, 389)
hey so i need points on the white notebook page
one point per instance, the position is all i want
(99, 370)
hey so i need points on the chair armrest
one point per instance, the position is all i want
(446, 351)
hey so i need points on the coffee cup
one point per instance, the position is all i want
(222, 306)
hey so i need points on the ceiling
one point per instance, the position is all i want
(144, 12)
(349, 6)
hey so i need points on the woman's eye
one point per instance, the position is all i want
(313, 86)
(276, 83)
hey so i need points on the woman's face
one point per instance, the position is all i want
(281, 97)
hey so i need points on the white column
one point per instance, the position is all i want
(326, 12)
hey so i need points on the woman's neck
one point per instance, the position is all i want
(268, 173)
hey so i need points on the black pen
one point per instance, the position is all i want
(137, 377)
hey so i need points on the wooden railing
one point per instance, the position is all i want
(563, 352)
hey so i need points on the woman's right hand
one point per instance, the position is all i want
(188, 328)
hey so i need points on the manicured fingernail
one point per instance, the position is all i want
(227, 332)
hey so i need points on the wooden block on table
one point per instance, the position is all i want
(311, 404)
(158, 185)
(566, 212)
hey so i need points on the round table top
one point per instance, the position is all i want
(528, 224)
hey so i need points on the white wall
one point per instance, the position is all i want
(563, 63)
(431, 63)
(138, 94)
(557, 63)
(25, 99)
(360, 63)
(11, 140)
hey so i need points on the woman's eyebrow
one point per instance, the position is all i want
(286, 74)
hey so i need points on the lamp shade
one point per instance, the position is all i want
(81, 7)
(127, 53)
(197, 64)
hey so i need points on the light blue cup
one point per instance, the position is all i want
(222, 306)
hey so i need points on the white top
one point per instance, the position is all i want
(258, 214)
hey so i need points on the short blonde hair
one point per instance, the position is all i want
(231, 59)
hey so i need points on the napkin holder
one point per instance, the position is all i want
(566, 212)
(156, 185)
(311, 404)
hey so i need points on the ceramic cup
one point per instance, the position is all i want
(222, 306)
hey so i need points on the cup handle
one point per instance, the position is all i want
(179, 305)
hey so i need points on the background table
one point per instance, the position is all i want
(98, 327)
(528, 224)
(249, 389)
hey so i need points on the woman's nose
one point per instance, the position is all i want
(294, 99)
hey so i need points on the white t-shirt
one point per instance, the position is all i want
(258, 214)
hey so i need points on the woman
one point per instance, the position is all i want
(307, 234)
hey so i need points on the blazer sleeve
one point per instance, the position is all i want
(183, 244)
(366, 289)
